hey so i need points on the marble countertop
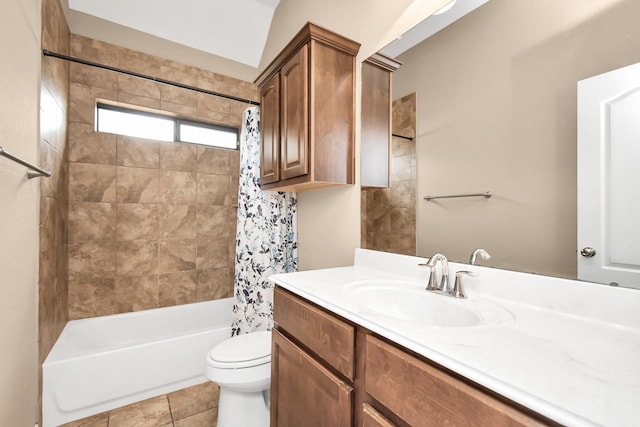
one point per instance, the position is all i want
(571, 351)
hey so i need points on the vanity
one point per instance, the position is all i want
(367, 345)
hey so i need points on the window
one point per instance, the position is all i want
(125, 121)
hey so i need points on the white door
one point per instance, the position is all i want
(609, 177)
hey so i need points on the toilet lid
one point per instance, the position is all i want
(242, 351)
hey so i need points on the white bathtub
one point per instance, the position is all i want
(106, 362)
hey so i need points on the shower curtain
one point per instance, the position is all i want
(266, 236)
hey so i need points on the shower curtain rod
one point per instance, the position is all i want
(144, 76)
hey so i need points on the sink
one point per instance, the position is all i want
(409, 302)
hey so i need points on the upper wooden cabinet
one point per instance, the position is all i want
(376, 120)
(307, 97)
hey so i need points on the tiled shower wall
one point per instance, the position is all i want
(388, 215)
(54, 193)
(151, 224)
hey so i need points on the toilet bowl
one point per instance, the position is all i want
(241, 366)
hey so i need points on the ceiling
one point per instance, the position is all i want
(236, 30)
(226, 36)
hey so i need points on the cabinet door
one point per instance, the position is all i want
(294, 115)
(372, 418)
(270, 130)
(424, 396)
(303, 392)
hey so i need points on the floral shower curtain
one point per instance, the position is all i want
(266, 236)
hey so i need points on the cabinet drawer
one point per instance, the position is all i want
(330, 338)
(372, 418)
(423, 395)
(305, 393)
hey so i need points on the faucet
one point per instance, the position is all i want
(433, 285)
(484, 254)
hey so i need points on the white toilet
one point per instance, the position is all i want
(241, 366)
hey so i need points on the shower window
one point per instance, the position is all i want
(142, 124)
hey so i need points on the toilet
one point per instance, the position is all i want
(241, 366)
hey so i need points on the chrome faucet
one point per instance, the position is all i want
(484, 254)
(433, 284)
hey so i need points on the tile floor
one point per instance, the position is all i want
(195, 406)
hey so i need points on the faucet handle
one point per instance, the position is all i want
(458, 289)
(432, 284)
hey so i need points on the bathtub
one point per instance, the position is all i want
(102, 363)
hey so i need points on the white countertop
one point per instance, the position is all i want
(571, 351)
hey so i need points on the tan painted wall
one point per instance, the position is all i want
(19, 88)
(329, 219)
(497, 111)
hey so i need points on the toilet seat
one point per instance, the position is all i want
(242, 351)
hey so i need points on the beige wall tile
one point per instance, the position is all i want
(91, 221)
(149, 413)
(92, 183)
(87, 146)
(176, 72)
(178, 188)
(212, 253)
(403, 221)
(138, 62)
(213, 190)
(137, 221)
(157, 237)
(82, 101)
(137, 258)
(180, 110)
(138, 152)
(91, 297)
(92, 259)
(213, 160)
(178, 157)
(214, 283)
(92, 76)
(177, 255)
(138, 101)
(401, 168)
(137, 185)
(94, 50)
(403, 194)
(136, 293)
(215, 221)
(137, 86)
(177, 288)
(179, 96)
(177, 222)
(234, 163)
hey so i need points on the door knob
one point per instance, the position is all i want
(587, 252)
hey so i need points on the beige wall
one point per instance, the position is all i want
(329, 219)
(151, 224)
(19, 86)
(497, 111)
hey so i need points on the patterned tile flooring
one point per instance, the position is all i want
(195, 406)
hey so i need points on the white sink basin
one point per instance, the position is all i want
(409, 302)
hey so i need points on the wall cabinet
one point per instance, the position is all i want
(376, 120)
(327, 371)
(307, 108)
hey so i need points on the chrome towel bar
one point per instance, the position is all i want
(32, 172)
(486, 194)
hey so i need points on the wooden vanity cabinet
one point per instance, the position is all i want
(375, 139)
(312, 366)
(307, 97)
(327, 371)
